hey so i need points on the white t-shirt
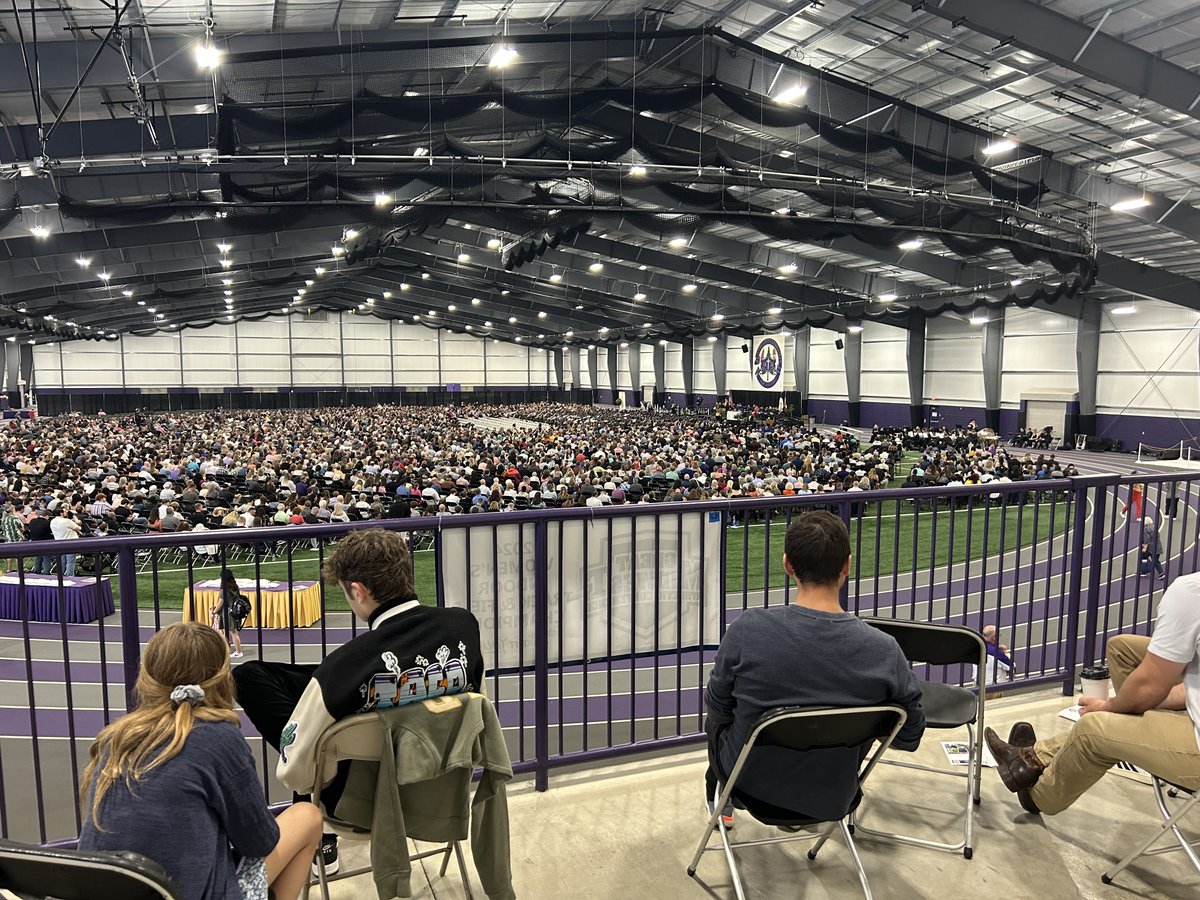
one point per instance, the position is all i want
(1177, 637)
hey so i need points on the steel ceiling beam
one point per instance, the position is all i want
(1076, 46)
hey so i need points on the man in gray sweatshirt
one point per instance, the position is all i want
(810, 652)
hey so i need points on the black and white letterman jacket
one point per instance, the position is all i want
(410, 653)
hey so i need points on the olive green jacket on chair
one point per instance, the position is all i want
(421, 789)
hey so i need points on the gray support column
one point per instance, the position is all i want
(27, 373)
(688, 364)
(12, 366)
(593, 358)
(633, 362)
(660, 374)
(852, 357)
(1087, 364)
(720, 366)
(610, 359)
(993, 365)
(800, 345)
(576, 377)
(558, 369)
(915, 351)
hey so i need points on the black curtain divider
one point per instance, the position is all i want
(558, 106)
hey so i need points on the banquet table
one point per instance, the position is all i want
(270, 598)
(79, 600)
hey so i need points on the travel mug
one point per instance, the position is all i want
(1095, 682)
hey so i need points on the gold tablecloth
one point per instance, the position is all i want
(198, 603)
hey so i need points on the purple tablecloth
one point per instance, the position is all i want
(82, 599)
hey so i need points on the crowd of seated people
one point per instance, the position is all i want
(1038, 440)
(209, 470)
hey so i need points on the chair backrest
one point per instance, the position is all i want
(803, 728)
(77, 875)
(933, 643)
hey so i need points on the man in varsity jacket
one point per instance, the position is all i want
(409, 653)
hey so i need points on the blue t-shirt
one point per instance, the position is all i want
(191, 814)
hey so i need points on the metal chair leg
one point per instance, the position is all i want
(462, 869)
(1169, 824)
(858, 866)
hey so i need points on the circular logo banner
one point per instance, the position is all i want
(768, 363)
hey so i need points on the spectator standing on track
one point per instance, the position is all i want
(230, 614)
(39, 529)
(64, 527)
(1151, 553)
(1136, 492)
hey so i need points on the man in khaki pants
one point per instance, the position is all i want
(1152, 722)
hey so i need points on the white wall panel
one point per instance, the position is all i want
(647, 365)
(953, 361)
(884, 363)
(826, 365)
(462, 360)
(673, 367)
(1149, 362)
(702, 375)
(507, 365)
(46, 366)
(737, 365)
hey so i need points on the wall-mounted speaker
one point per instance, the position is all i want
(839, 344)
(745, 348)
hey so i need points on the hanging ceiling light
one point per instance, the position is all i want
(793, 93)
(502, 57)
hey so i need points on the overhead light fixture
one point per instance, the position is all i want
(570, 334)
(774, 311)
(1126, 205)
(450, 308)
(337, 250)
(406, 286)
(431, 313)
(229, 281)
(596, 267)
(604, 329)
(141, 303)
(712, 338)
(468, 328)
(688, 288)
(226, 263)
(512, 320)
(487, 324)
(793, 93)
(464, 257)
(979, 319)
(505, 292)
(224, 248)
(1123, 310)
(1017, 282)
(913, 244)
(319, 270)
(517, 339)
(637, 171)
(103, 276)
(541, 314)
(502, 57)
(789, 269)
(624, 345)
(648, 325)
(383, 199)
(591, 346)
(854, 329)
(475, 301)
(126, 293)
(349, 234)
(207, 54)
(677, 242)
(888, 297)
(424, 276)
(494, 244)
(786, 154)
(578, 306)
(556, 277)
(1001, 146)
(39, 231)
(662, 343)
(230, 293)
(83, 261)
(718, 317)
(370, 301)
(421, 151)
(387, 295)
(639, 296)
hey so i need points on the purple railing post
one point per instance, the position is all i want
(1075, 566)
(131, 638)
(541, 660)
(1091, 600)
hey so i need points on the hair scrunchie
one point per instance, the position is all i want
(191, 693)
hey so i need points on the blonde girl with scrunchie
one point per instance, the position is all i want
(174, 780)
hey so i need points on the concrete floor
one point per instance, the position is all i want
(628, 831)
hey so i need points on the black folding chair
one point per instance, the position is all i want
(801, 729)
(1171, 820)
(75, 875)
(945, 706)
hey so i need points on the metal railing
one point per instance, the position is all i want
(599, 625)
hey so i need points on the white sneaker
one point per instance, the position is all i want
(236, 654)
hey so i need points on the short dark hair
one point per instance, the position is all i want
(375, 558)
(817, 546)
